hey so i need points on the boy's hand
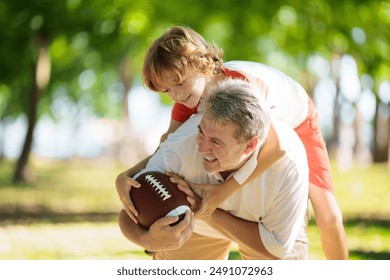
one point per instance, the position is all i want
(123, 185)
(192, 197)
(213, 196)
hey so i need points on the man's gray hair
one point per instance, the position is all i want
(236, 101)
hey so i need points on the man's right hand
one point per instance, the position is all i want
(123, 185)
(161, 236)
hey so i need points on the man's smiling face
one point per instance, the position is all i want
(221, 150)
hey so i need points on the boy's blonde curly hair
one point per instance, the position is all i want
(178, 48)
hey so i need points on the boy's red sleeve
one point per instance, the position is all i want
(181, 113)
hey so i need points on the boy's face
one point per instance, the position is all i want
(189, 91)
(220, 149)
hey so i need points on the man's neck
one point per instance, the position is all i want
(226, 174)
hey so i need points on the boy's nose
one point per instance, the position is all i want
(202, 146)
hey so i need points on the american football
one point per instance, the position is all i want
(157, 197)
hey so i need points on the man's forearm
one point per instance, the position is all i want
(130, 230)
(161, 236)
(243, 232)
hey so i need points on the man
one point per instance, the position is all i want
(266, 217)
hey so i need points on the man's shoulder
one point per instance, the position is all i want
(186, 130)
(177, 149)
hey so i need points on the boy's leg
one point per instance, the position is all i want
(321, 191)
(330, 223)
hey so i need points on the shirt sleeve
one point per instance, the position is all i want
(279, 229)
(182, 113)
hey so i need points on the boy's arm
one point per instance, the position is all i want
(270, 153)
(214, 195)
(173, 125)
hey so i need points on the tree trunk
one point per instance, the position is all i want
(22, 172)
(381, 133)
(41, 78)
(332, 142)
(3, 126)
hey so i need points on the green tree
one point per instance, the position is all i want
(54, 48)
(92, 50)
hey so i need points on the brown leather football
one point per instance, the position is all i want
(157, 197)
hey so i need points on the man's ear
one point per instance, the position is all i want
(251, 145)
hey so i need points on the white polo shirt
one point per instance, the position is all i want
(277, 200)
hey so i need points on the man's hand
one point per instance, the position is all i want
(123, 185)
(161, 236)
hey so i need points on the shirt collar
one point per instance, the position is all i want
(242, 174)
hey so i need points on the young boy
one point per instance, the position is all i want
(182, 64)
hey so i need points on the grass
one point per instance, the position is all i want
(64, 241)
(71, 211)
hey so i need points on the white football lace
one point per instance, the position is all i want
(158, 187)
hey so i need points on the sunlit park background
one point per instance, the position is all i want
(74, 113)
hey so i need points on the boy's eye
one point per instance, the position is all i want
(166, 90)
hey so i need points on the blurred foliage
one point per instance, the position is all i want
(89, 41)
